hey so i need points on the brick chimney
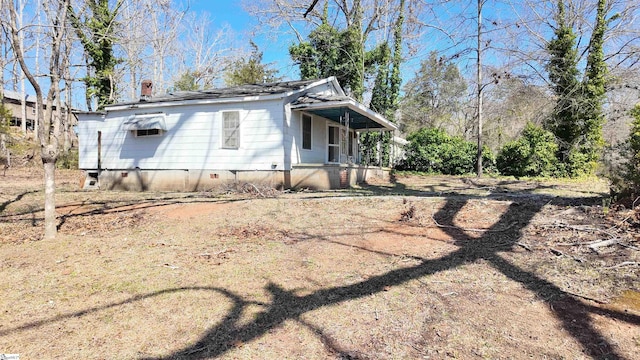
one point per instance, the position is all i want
(147, 89)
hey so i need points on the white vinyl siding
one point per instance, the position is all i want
(231, 129)
(193, 139)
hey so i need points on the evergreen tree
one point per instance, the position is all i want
(592, 116)
(333, 52)
(381, 103)
(381, 94)
(352, 67)
(395, 80)
(341, 53)
(578, 117)
(186, 82)
(625, 179)
(563, 74)
(386, 89)
(95, 32)
(250, 71)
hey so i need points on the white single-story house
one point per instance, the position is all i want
(294, 134)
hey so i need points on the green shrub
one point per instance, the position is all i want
(68, 160)
(5, 117)
(625, 179)
(432, 150)
(533, 154)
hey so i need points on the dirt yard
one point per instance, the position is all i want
(422, 268)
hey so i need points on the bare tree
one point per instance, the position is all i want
(480, 85)
(377, 18)
(49, 125)
(149, 43)
(534, 19)
(132, 44)
(205, 53)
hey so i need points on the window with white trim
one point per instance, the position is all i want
(306, 132)
(231, 129)
(333, 144)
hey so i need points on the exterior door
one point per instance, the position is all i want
(333, 144)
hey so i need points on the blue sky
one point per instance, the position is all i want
(276, 53)
(242, 23)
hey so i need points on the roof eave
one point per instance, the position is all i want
(330, 79)
(232, 99)
(352, 105)
(153, 104)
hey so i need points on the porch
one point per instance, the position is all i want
(346, 121)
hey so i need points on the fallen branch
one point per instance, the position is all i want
(598, 244)
(257, 190)
(577, 228)
(524, 246)
(626, 263)
(572, 244)
(630, 246)
(619, 223)
(587, 298)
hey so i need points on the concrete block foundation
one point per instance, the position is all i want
(315, 177)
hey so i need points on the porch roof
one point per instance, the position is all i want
(335, 107)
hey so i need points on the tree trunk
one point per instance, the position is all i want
(50, 224)
(68, 117)
(480, 88)
(48, 126)
(23, 106)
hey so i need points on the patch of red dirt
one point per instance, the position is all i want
(190, 210)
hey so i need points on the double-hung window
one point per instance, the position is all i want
(231, 129)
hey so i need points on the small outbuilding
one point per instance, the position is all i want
(294, 134)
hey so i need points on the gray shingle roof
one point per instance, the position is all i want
(8, 94)
(229, 92)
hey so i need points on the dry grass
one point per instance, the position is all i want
(446, 268)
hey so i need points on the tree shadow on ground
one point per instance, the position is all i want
(573, 313)
(504, 234)
(3, 206)
(474, 187)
